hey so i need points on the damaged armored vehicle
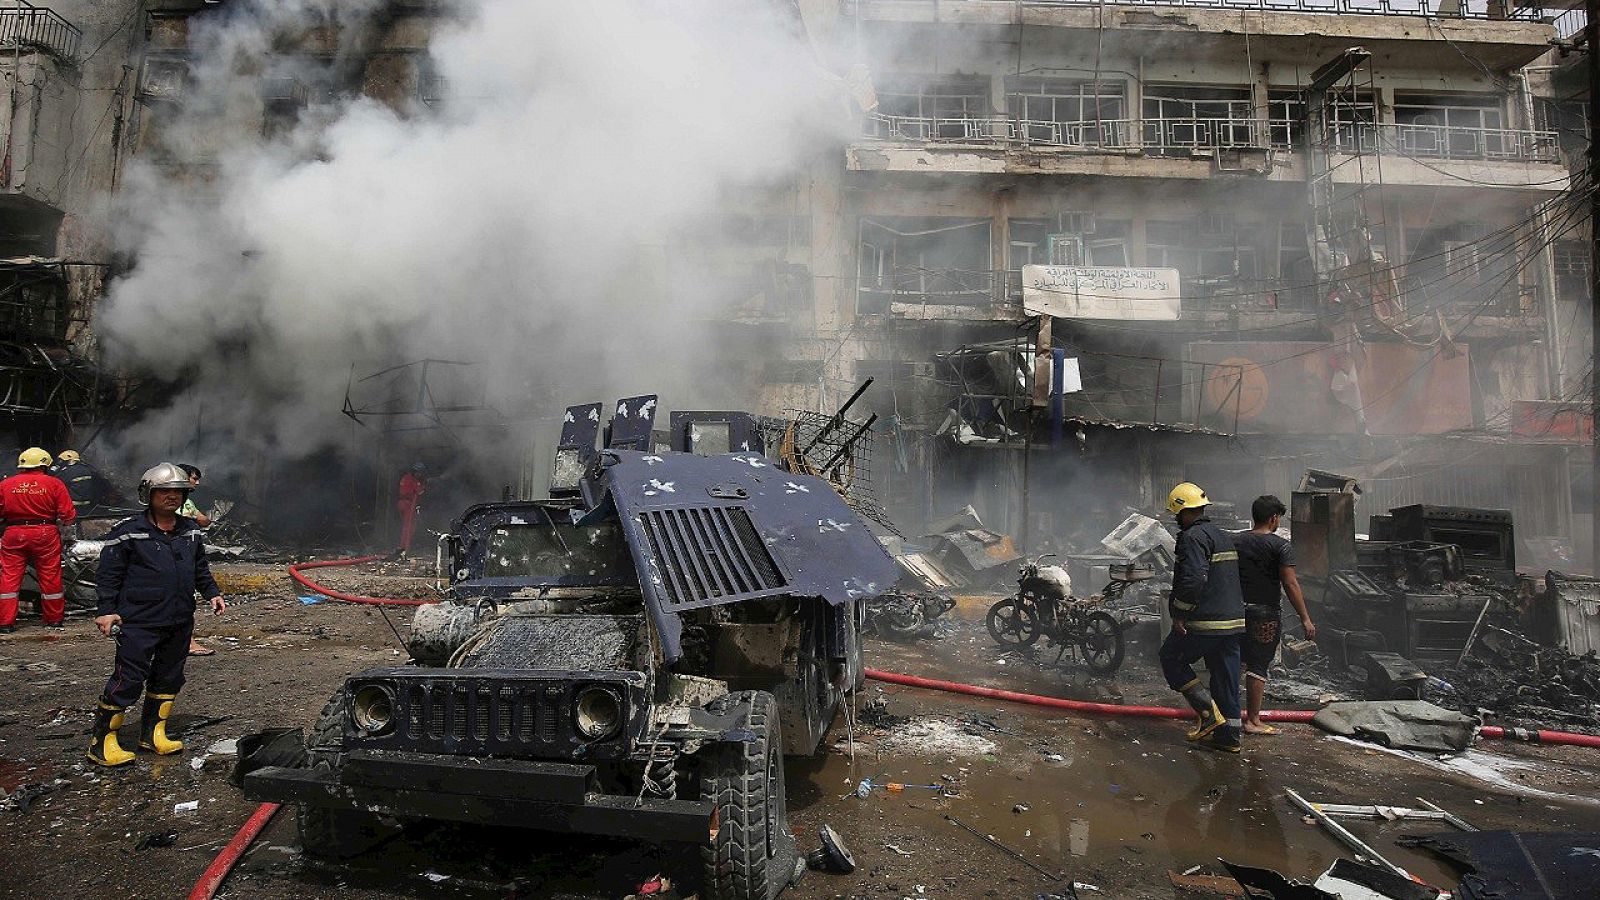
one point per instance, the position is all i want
(631, 657)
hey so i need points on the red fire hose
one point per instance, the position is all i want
(294, 572)
(1565, 738)
(217, 872)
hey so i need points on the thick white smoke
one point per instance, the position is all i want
(517, 223)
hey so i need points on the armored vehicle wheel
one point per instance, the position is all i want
(751, 854)
(334, 833)
(1013, 623)
(1102, 644)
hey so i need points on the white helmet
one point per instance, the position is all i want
(163, 475)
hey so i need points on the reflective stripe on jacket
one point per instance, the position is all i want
(149, 576)
(1205, 581)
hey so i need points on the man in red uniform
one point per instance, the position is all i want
(33, 506)
(408, 505)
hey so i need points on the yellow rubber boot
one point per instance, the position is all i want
(105, 750)
(153, 724)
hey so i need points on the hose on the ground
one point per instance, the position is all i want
(1494, 732)
(294, 572)
(211, 879)
(1082, 706)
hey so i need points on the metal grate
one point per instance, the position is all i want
(474, 711)
(709, 555)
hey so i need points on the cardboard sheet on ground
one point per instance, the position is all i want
(1402, 724)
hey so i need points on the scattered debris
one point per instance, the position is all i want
(188, 806)
(1273, 883)
(902, 616)
(156, 839)
(1352, 880)
(23, 798)
(937, 737)
(833, 855)
(990, 840)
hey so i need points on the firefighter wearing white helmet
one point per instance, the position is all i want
(150, 569)
(1207, 609)
(34, 506)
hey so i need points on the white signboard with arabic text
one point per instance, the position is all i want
(1101, 292)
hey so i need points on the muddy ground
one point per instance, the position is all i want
(1114, 803)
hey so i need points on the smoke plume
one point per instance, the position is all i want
(518, 222)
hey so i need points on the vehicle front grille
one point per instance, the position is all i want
(709, 555)
(497, 713)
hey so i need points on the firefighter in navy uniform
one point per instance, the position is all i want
(150, 568)
(1207, 608)
(86, 485)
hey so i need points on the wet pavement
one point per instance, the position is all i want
(1110, 802)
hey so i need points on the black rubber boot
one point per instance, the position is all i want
(1207, 717)
(105, 750)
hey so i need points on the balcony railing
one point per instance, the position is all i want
(1180, 135)
(27, 26)
(1449, 142)
(1472, 9)
(1106, 134)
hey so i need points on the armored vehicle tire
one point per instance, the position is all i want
(334, 833)
(751, 854)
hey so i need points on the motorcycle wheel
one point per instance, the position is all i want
(1013, 623)
(1102, 644)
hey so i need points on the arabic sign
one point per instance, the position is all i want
(1101, 292)
(1544, 420)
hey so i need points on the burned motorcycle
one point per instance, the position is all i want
(904, 617)
(1044, 607)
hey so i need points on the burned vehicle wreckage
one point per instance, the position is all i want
(631, 657)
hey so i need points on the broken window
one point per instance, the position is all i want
(938, 109)
(1572, 270)
(587, 552)
(1075, 113)
(1186, 118)
(430, 83)
(1457, 126)
(1067, 239)
(1209, 247)
(923, 260)
(1463, 264)
(1350, 115)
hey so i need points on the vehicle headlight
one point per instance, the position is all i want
(372, 709)
(598, 712)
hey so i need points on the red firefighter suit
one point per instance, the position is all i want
(32, 503)
(411, 487)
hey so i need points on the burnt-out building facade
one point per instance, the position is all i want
(1090, 251)
(1084, 250)
(63, 113)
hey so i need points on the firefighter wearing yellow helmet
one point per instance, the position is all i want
(33, 506)
(1207, 609)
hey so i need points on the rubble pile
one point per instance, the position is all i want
(1521, 683)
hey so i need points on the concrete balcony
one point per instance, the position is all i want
(1427, 155)
(1502, 35)
(25, 27)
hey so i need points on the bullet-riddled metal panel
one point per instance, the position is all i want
(710, 530)
(631, 426)
(579, 428)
